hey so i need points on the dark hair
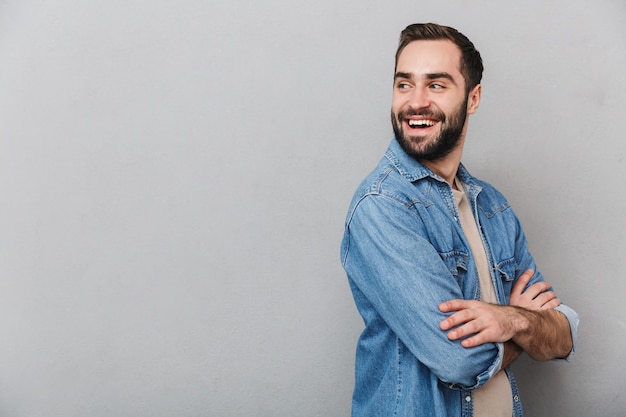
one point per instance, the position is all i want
(471, 62)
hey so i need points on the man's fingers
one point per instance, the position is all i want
(527, 275)
(548, 300)
(538, 288)
(463, 312)
(536, 297)
(475, 332)
(456, 319)
(555, 302)
(455, 305)
(471, 327)
(522, 282)
(473, 341)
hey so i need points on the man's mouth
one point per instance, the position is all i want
(421, 123)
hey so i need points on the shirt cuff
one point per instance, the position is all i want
(573, 319)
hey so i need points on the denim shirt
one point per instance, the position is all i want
(404, 253)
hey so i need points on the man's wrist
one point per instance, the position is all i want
(521, 320)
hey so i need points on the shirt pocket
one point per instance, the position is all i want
(507, 270)
(456, 262)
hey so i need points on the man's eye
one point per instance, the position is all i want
(403, 86)
(436, 86)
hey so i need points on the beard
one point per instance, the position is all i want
(417, 146)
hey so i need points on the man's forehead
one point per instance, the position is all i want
(430, 56)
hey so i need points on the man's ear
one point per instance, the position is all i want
(473, 99)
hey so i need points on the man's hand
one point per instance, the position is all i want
(537, 297)
(480, 322)
(530, 321)
(548, 335)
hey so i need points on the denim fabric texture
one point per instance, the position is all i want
(404, 253)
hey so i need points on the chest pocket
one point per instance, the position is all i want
(456, 262)
(508, 272)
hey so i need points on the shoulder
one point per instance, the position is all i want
(388, 184)
(397, 176)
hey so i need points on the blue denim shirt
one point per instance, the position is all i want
(404, 252)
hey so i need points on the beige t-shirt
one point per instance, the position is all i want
(494, 399)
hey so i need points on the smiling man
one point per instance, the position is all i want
(436, 259)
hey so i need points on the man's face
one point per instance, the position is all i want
(430, 105)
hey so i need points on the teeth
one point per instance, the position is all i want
(421, 123)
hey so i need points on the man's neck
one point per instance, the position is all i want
(446, 167)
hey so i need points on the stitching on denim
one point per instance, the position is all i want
(399, 380)
(495, 211)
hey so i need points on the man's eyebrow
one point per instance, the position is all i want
(432, 76)
(439, 76)
(406, 75)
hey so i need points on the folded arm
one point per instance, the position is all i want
(548, 334)
(530, 322)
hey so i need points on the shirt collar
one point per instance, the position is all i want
(413, 170)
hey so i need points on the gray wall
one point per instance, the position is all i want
(174, 177)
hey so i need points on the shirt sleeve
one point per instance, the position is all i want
(388, 257)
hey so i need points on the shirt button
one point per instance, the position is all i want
(516, 398)
(468, 398)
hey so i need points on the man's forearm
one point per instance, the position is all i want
(545, 334)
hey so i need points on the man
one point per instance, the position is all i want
(436, 259)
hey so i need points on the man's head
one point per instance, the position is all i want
(471, 64)
(436, 85)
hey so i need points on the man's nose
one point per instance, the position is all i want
(419, 99)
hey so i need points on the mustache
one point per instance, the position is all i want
(432, 114)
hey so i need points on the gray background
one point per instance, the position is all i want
(174, 177)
